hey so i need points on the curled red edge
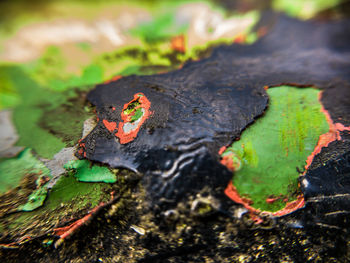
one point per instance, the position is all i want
(67, 231)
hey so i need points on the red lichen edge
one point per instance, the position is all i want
(14, 245)
(130, 136)
(66, 232)
(324, 140)
(111, 126)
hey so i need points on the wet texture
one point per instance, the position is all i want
(326, 187)
(207, 104)
(329, 200)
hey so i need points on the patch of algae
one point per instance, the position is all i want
(84, 171)
(276, 146)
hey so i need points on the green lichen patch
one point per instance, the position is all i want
(276, 146)
(22, 183)
(84, 171)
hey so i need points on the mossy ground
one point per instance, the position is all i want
(184, 238)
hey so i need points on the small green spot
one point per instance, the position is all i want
(131, 107)
(35, 200)
(137, 115)
(47, 242)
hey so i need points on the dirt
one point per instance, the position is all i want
(182, 236)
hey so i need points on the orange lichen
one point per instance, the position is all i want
(67, 231)
(291, 206)
(111, 126)
(325, 139)
(232, 193)
(145, 104)
(240, 38)
(81, 147)
(228, 161)
(271, 200)
(178, 43)
(222, 150)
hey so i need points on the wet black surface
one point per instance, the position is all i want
(207, 104)
(326, 189)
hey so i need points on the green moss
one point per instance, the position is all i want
(66, 120)
(84, 171)
(68, 191)
(273, 147)
(68, 198)
(14, 170)
(137, 115)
